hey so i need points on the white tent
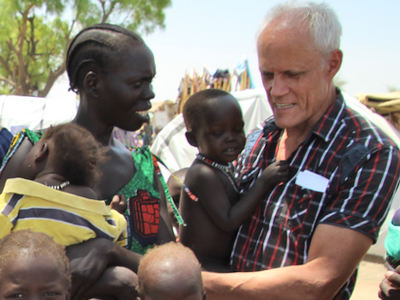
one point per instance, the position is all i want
(18, 112)
(171, 145)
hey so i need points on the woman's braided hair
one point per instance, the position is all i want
(96, 45)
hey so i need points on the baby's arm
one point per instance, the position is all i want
(213, 197)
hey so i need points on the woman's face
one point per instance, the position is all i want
(126, 90)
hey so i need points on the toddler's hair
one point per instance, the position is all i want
(78, 153)
(32, 244)
(194, 107)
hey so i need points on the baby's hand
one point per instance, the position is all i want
(119, 204)
(276, 173)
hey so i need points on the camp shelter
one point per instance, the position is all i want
(385, 104)
(18, 112)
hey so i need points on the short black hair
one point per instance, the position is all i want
(96, 45)
(194, 107)
(78, 153)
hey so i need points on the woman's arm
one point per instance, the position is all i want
(165, 233)
(90, 259)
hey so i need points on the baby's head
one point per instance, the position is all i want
(74, 152)
(170, 272)
(214, 124)
(33, 265)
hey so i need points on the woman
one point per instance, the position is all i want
(111, 69)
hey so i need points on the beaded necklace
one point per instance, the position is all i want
(167, 195)
(224, 168)
(186, 189)
(61, 186)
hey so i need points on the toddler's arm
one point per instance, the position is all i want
(228, 217)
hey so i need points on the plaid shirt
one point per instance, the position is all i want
(362, 166)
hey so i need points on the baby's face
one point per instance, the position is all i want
(33, 278)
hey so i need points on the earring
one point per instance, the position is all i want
(29, 166)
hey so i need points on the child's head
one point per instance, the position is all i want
(215, 125)
(170, 272)
(33, 265)
(74, 152)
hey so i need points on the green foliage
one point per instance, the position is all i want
(36, 34)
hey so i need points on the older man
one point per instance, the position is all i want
(308, 235)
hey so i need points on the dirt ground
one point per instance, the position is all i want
(370, 275)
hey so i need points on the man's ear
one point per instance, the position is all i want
(191, 138)
(90, 83)
(42, 153)
(334, 62)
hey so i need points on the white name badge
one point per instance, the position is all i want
(312, 181)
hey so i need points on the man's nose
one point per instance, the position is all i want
(279, 87)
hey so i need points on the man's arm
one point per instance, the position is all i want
(335, 253)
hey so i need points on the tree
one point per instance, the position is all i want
(36, 33)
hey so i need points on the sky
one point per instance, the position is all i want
(219, 33)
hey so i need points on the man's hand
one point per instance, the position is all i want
(389, 288)
(88, 261)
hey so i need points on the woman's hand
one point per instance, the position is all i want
(389, 288)
(119, 203)
(88, 261)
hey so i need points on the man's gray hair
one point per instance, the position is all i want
(319, 18)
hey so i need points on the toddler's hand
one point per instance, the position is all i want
(119, 204)
(276, 173)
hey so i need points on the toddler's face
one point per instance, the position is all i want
(33, 278)
(221, 137)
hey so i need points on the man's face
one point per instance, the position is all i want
(296, 76)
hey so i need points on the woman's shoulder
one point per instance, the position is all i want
(20, 146)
